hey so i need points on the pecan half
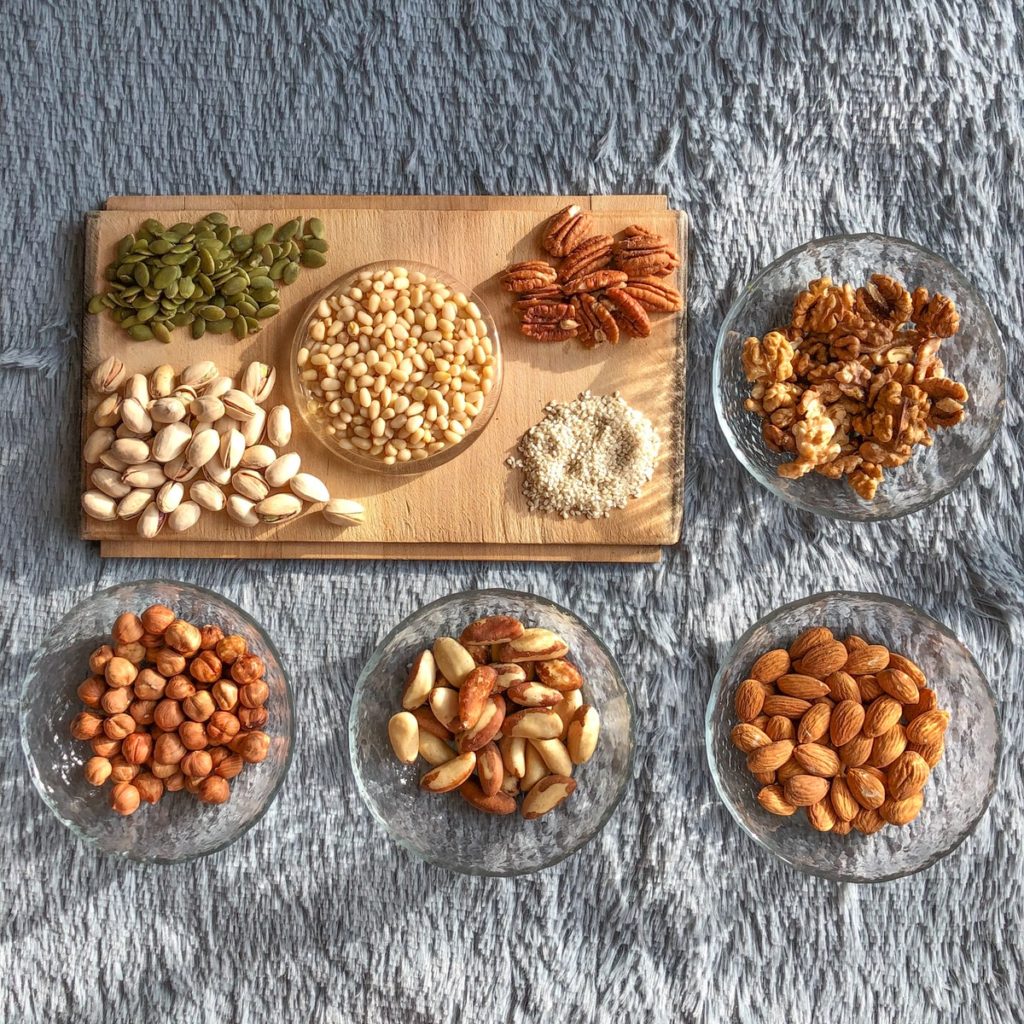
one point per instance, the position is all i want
(549, 293)
(596, 320)
(528, 276)
(654, 295)
(566, 230)
(643, 254)
(632, 317)
(595, 282)
(551, 321)
(594, 253)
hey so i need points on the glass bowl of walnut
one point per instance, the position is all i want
(157, 720)
(859, 377)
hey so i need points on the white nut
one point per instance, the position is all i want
(278, 508)
(203, 446)
(207, 495)
(151, 522)
(259, 456)
(109, 482)
(96, 444)
(107, 377)
(171, 441)
(184, 517)
(135, 503)
(137, 387)
(135, 416)
(342, 512)
(167, 410)
(279, 426)
(242, 510)
(281, 470)
(131, 450)
(98, 505)
(404, 734)
(170, 496)
(207, 409)
(309, 488)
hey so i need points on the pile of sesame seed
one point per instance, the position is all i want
(586, 457)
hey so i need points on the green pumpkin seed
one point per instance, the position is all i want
(264, 295)
(160, 246)
(140, 332)
(182, 228)
(198, 327)
(219, 326)
(234, 285)
(147, 312)
(290, 273)
(245, 306)
(240, 328)
(252, 324)
(216, 218)
(125, 246)
(141, 275)
(311, 258)
(165, 276)
(316, 245)
(287, 230)
(230, 311)
(263, 234)
(260, 282)
(161, 333)
(211, 312)
(267, 311)
(315, 226)
(186, 287)
(241, 243)
(154, 227)
(174, 259)
(96, 304)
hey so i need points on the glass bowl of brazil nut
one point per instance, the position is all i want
(859, 377)
(890, 760)
(230, 736)
(396, 367)
(447, 826)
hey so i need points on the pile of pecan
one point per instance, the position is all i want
(602, 289)
(855, 381)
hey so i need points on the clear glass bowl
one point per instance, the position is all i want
(960, 787)
(179, 827)
(974, 356)
(307, 404)
(444, 829)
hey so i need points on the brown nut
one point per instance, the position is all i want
(231, 648)
(114, 702)
(142, 711)
(152, 642)
(124, 798)
(196, 764)
(135, 653)
(97, 770)
(169, 749)
(162, 771)
(104, 746)
(99, 658)
(150, 788)
(156, 618)
(150, 685)
(252, 746)
(120, 672)
(121, 770)
(175, 783)
(168, 715)
(560, 675)
(247, 668)
(222, 727)
(210, 636)
(230, 766)
(495, 629)
(193, 735)
(137, 747)
(169, 663)
(255, 718)
(253, 695)
(182, 637)
(117, 727)
(225, 695)
(497, 803)
(205, 668)
(179, 687)
(214, 790)
(199, 706)
(128, 628)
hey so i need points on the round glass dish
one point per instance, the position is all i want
(445, 830)
(308, 405)
(960, 786)
(179, 827)
(974, 356)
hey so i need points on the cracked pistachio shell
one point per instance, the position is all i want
(135, 417)
(167, 410)
(252, 430)
(161, 381)
(184, 517)
(203, 446)
(131, 450)
(107, 377)
(258, 381)
(207, 409)
(137, 387)
(111, 461)
(134, 503)
(109, 482)
(98, 505)
(180, 469)
(242, 510)
(151, 522)
(170, 496)
(259, 456)
(250, 484)
(309, 488)
(216, 471)
(149, 474)
(171, 441)
(232, 448)
(238, 405)
(108, 412)
(343, 512)
(98, 442)
(218, 387)
(281, 470)
(279, 426)
(207, 495)
(198, 375)
(278, 508)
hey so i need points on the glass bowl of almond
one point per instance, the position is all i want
(859, 377)
(854, 737)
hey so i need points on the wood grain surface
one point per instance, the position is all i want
(470, 508)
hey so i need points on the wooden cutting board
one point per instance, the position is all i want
(471, 508)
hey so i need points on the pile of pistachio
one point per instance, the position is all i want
(210, 276)
(168, 447)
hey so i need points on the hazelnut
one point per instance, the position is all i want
(156, 618)
(222, 727)
(142, 711)
(205, 667)
(116, 701)
(174, 783)
(85, 725)
(252, 718)
(230, 767)
(211, 636)
(247, 669)
(120, 672)
(97, 771)
(179, 687)
(149, 685)
(254, 695)
(197, 764)
(169, 663)
(192, 785)
(168, 715)
(161, 770)
(135, 653)
(199, 706)
(225, 695)
(214, 790)
(182, 637)
(252, 746)
(193, 735)
(90, 692)
(149, 786)
(231, 648)
(104, 746)
(127, 628)
(99, 658)
(135, 749)
(152, 643)
(217, 754)
(124, 798)
(169, 749)
(117, 727)
(121, 770)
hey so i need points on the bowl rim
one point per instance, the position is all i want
(828, 512)
(482, 871)
(358, 461)
(716, 689)
(131, 854)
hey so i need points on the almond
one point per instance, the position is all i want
(842, 686)
(846, 722)
(473, 694)
(902, 812)
(489, 769)
(747, 737)
(855, 752)
(926, 701)
(420, 681)
(907, 667)
(508, 675)
(534, 724)
(881, 715)
(788, 707)
(449, 775)
(898, 685)
(887, 747)
(584, 730)
(533, 645)
(867, 660)
(788, 770)
(487, 727)
(928, 728)
(869, 688)
(454, 662)
(931, 752)
(842, 828)
(809, 638)
(770, 666)
(749, 700)
(495, 629)
(404, 734)
(816, 759)
(534, 695)
(804, 790)
(854, 643)
(867, 790)
(868, 821)
(822, 660)
(805, 687)
(779, 728)
(770, 756)
(764, 778)
(426, 719)
(559, 675)
(498, 803)
(822, 816)
(555, 755)
(444, 703)
(546, 795)
(513, 755)
(771, 798)
(814, 723)
(907, 775)
(843, 801)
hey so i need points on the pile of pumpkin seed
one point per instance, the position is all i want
(210, 276)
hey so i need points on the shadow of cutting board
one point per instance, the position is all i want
(470, 508)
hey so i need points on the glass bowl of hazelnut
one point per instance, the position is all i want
(157, 721)
(859, 377)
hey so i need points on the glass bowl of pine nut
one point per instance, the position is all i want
(396, 367)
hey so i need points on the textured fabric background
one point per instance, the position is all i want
(769, 126)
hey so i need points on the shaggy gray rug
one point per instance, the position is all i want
(769, 128)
